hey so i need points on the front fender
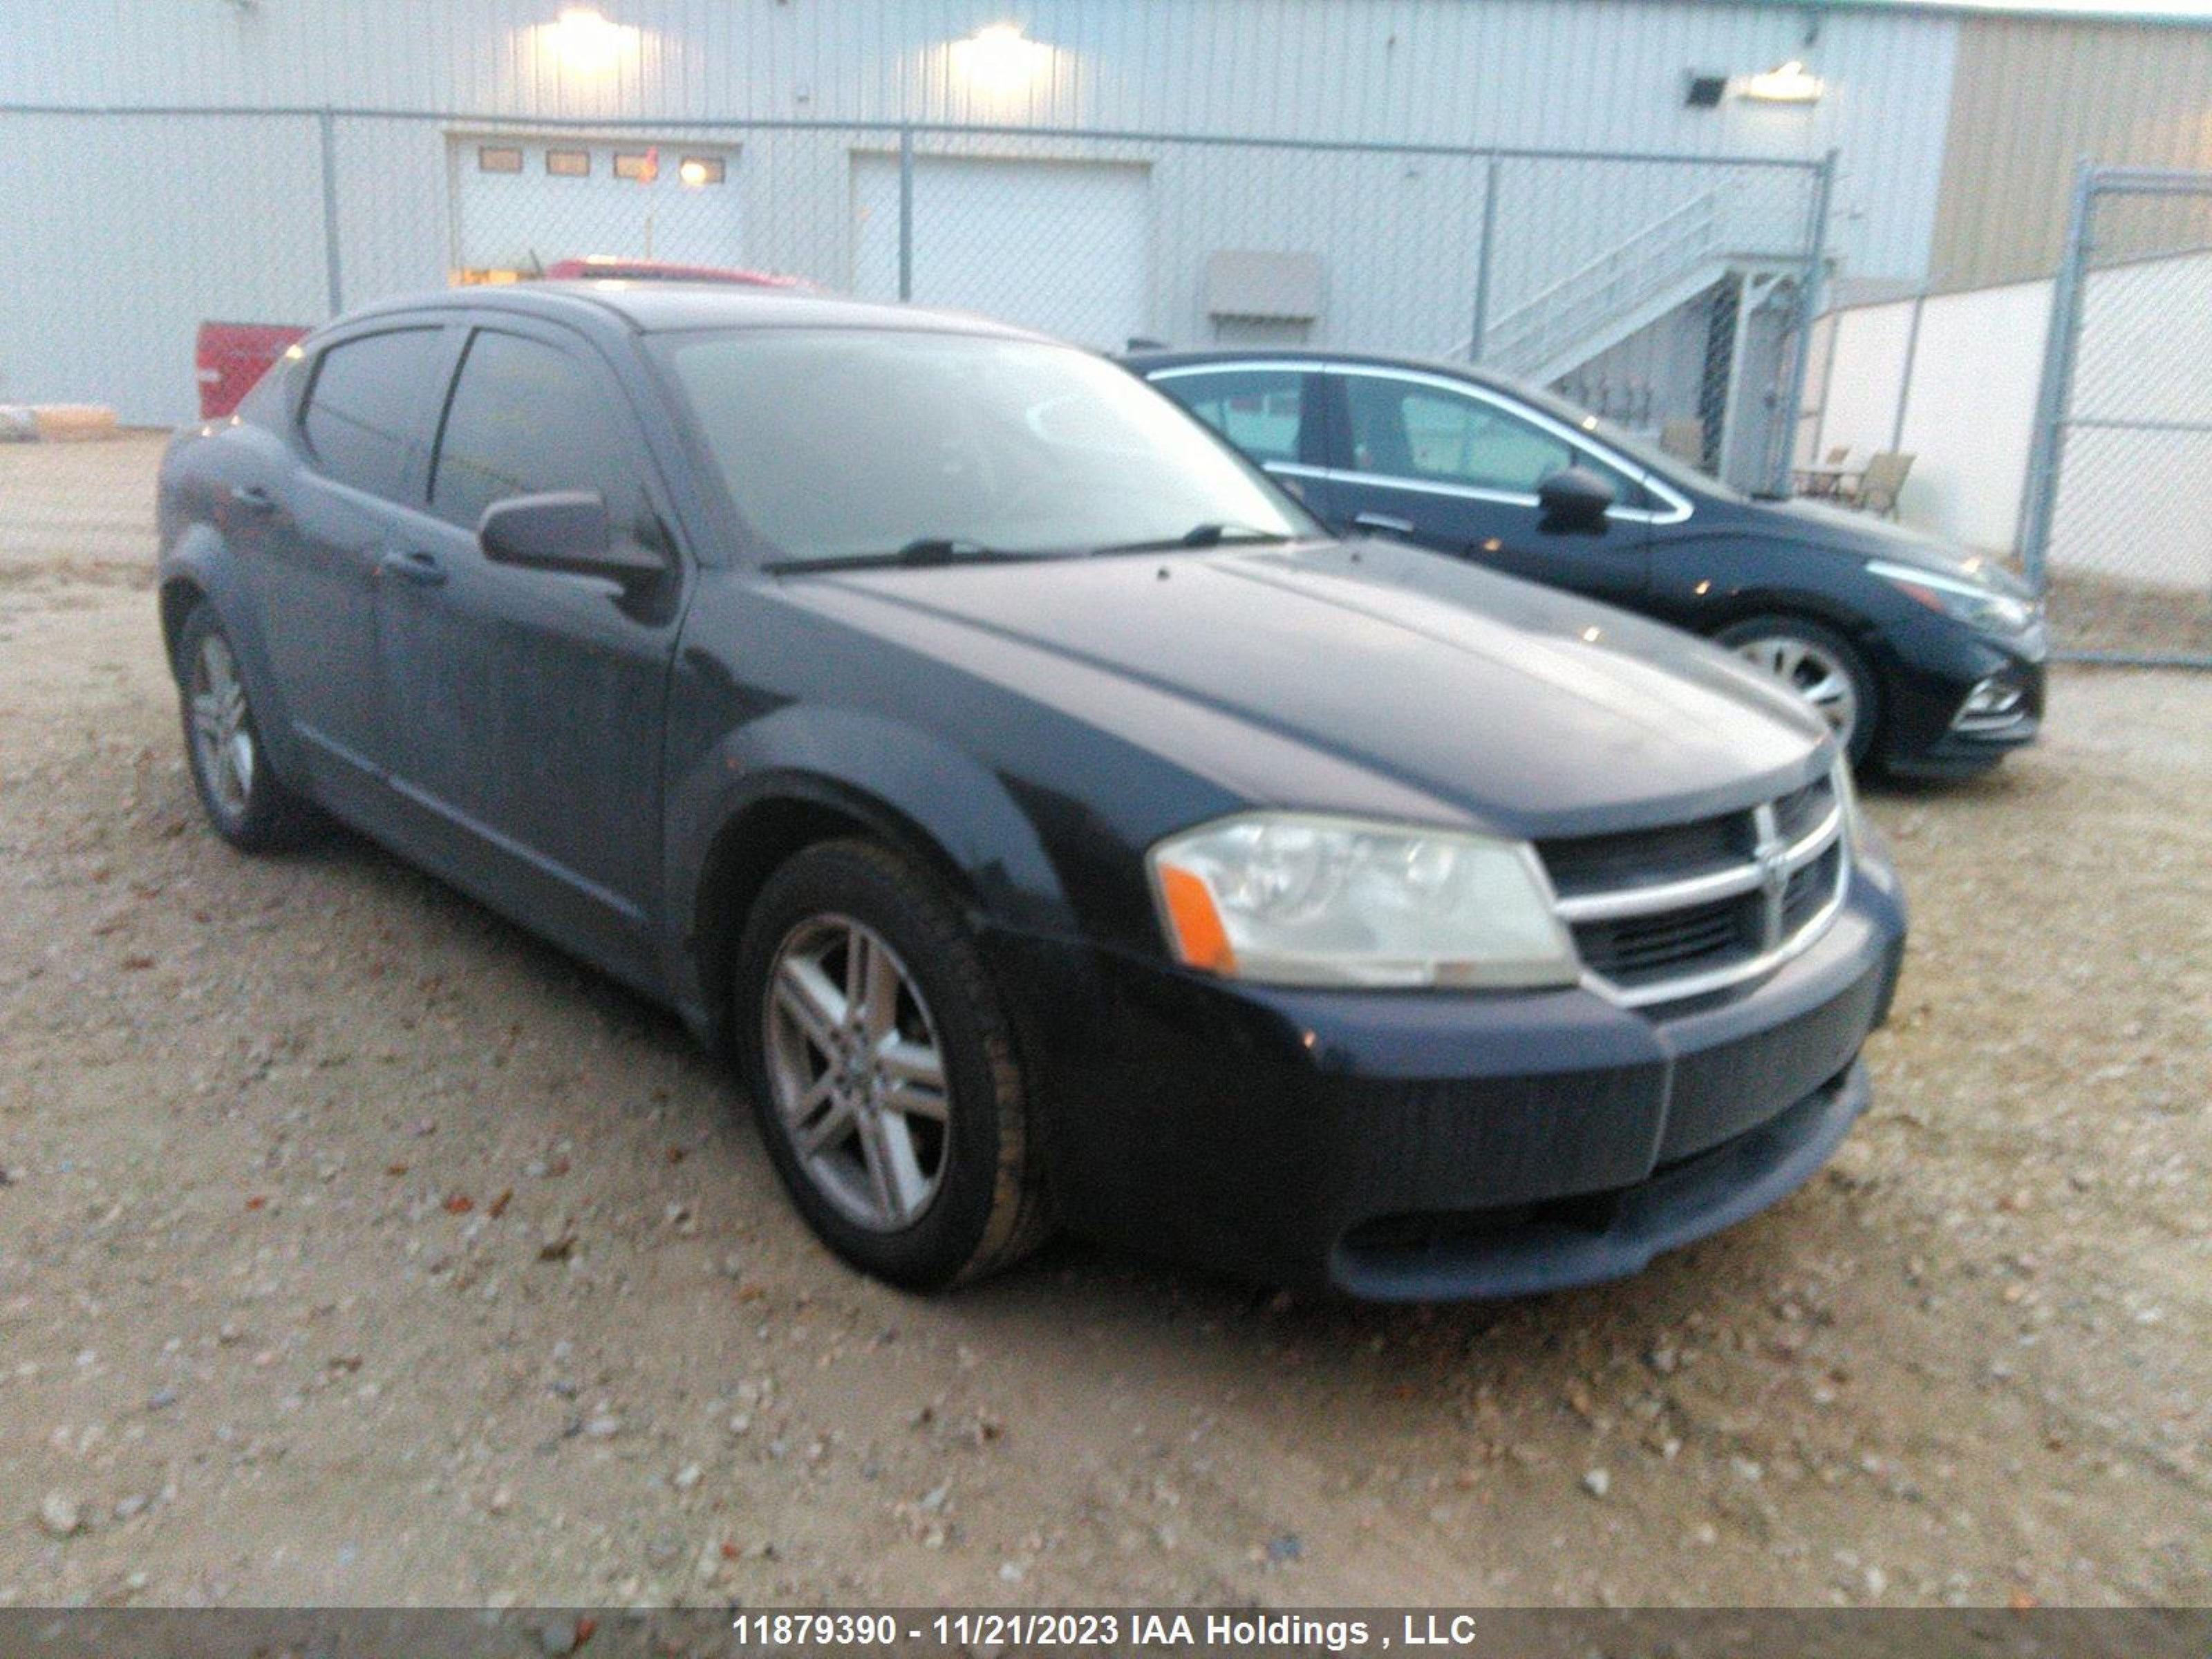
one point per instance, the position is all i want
(913, 787)
(1705, 583)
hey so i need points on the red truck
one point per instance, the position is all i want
(607, 267)
(231, 356)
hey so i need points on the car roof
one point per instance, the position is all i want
(1147, 362)
(658, 306)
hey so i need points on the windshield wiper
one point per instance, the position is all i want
(1212, 533)
(922, 551)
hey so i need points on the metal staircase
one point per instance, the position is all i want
(1601, 303)
(1693, 250)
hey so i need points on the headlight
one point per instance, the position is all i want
(1969, 602)
(1291, 899)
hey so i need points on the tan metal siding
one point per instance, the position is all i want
(2030, 97)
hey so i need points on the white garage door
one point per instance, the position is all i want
(522, 204)
(1062, 247)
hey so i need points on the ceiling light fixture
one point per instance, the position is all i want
(999, 58)
(1791, 83)
(586, 42)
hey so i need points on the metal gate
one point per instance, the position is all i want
(2115, 527)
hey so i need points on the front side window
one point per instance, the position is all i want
(1410, 430)
(526, 418)
(852, 443)
(1260, 411)
(365, 405)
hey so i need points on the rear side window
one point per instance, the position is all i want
(366, 405)
(1260, 411)
(526, 418)
(1410, 430)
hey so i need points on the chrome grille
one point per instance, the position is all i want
(1685, 909)
(1636, 946)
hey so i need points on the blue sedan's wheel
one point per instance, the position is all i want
(883, 1069)
(1819, 665)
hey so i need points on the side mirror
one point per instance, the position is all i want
(1574, 499)
(565, 529)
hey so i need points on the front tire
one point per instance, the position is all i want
(1821, 667)
(243, 797)
(883, 1069)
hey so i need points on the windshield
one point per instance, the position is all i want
(848, 444)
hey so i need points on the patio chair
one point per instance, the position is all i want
(1826, 479)
(1880, 484)
(1685, 440)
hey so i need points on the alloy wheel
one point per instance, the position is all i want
(1814, 673)
(857, 1074)
(222, 734)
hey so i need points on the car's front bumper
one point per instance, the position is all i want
(1417, 1145)
(1930, 670)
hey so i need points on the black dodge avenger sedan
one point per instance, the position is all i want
(1924, 660)
(1057, 825)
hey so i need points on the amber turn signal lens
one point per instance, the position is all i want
(1201, 939)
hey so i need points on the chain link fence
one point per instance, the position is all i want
(1669, 293)
(2115, 529)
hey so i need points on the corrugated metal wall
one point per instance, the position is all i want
(118, 236)
(1956, 136)
(1595, 74)
(2032, 96)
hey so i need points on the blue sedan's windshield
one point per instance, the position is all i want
(840, 444)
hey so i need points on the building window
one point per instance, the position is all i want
(498, 158)
(641, 165)
(702, 170)
(568, 163)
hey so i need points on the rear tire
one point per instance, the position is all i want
(239, 791)
(883, 1069)
(1820, 665)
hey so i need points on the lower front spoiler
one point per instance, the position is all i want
(1592, 1240)
(1960, 754)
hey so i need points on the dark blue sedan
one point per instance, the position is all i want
(1055, 825)
(1923, 659)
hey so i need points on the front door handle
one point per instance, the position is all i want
(1385, 522)
(414, 566)
(254, 498)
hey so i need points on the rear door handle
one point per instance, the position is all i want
(254, 498)
(414, 566)
(1384, 522)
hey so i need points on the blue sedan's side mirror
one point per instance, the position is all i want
(1575, 498)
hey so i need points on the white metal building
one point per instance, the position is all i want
(364, 149)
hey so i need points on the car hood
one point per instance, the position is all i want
(1364, 677)
(1833, 529)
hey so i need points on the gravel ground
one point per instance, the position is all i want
(355, 1248)
(2090, 613)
